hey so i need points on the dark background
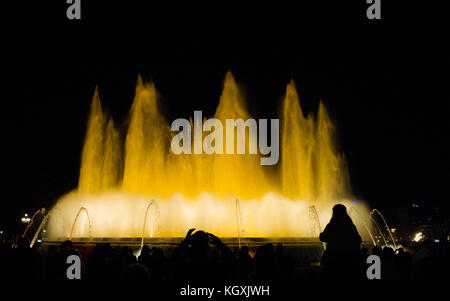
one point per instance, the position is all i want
(383, 82)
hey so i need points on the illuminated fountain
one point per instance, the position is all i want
(227, 195)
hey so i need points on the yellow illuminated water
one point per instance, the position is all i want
(120, 174)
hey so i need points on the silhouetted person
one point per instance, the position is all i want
(403, 262)
(388, 269)
(364, 253)
(65, 251)
(266, 267)
(145, 257)
(427, 264)
(377, 250)
(193, 258)
(51, 265)
(128, 256)
(244, 264)
(100, 267)
(285, 263)
(197, 255)
(136, 271)
(159, 265)
(154, 261)
(342, 257)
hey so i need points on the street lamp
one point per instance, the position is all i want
(418, 237)
(25, 219)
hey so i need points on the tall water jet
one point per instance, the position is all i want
(330, 171)
(91, 175)
(297, 148)
(101, 156)
(242, 174)
(311, 167)
(146, 145)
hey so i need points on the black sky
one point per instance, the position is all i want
(384, 83)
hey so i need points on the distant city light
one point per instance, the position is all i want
(418, 237)
(25, 219)
(436, 240)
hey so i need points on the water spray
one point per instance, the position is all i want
(76, 219)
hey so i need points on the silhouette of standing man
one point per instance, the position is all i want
(342, 257)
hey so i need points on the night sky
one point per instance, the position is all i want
(383, 81)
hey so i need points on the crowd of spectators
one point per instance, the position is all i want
(203, 256)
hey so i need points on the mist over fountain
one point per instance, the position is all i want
(228, 195)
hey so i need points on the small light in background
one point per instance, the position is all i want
(429, 219)
(355, 202)
(25, 219)
(418, 237)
